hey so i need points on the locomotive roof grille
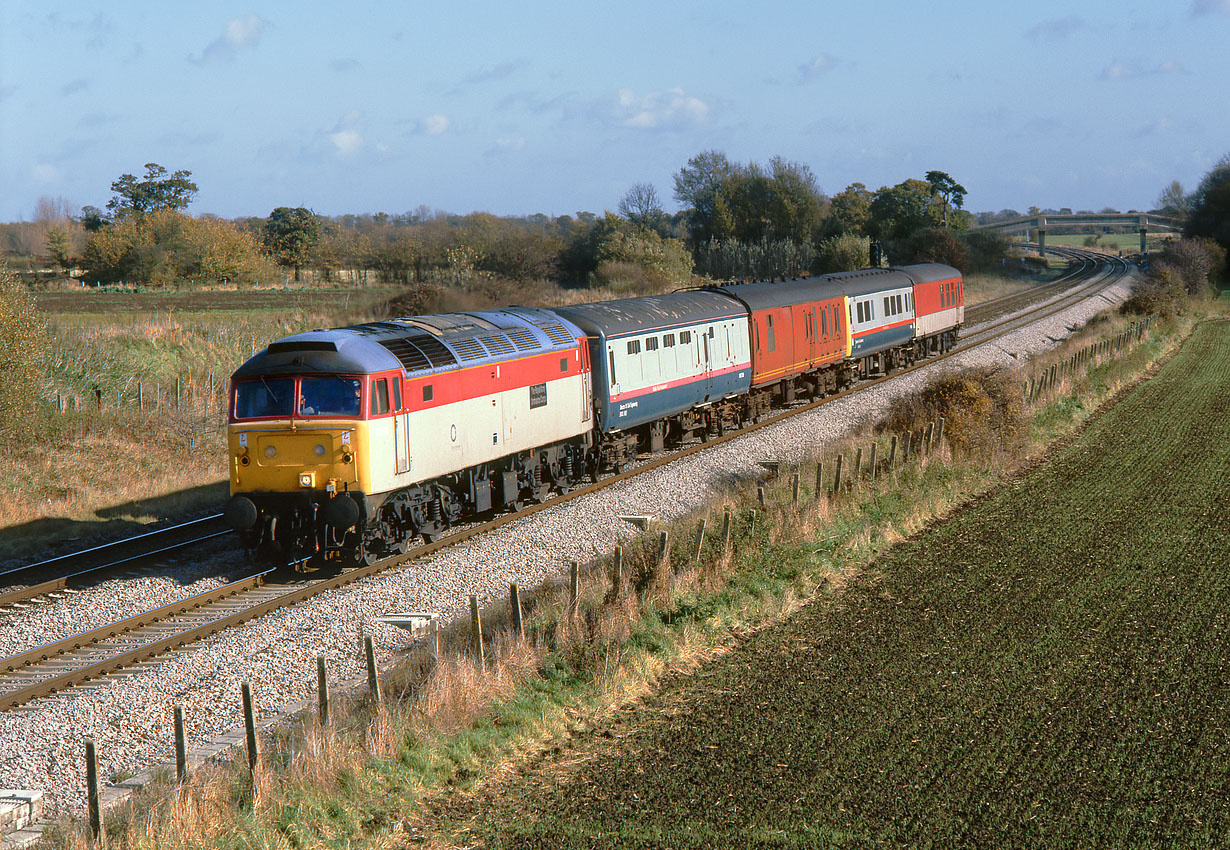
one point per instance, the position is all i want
(468, 348)
(556, 332)
(422, 354)
(497, 344)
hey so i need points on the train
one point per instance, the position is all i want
(347, 445)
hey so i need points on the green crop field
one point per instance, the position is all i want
(1046, 668)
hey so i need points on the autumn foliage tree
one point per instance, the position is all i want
(168, 248)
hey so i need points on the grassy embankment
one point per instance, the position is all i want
(447, 724)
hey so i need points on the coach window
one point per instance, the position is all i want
(634, 346)
(668, 340)
(685, 337)
(380, 396)
(611, 356)
(428, 392)
(563, 364)
(772, 337)
(651, 343)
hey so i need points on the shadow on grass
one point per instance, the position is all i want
(52, 536)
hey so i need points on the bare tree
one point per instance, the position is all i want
(642, 207)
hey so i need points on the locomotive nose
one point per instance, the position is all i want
(240, 513)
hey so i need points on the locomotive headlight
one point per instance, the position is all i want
(270, 451)
(307, 479)
(320, 450)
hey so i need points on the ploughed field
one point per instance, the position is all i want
(1047, 668)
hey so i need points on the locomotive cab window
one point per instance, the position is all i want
(265, 397)
(329, 396)
(380, 397)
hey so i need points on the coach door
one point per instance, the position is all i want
(707, 361)
(401, 430)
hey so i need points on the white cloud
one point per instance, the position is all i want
(1159, 127)
(346, 141)
(817, 67)
(660, 110)
(435, 125)
(1132, 70)
(44, 173)
(238, 34)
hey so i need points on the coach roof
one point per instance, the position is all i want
(652, 312)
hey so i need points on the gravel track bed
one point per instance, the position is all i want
(113, 600)
(129, 715)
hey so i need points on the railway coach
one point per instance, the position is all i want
(665, 367)
(348, 443)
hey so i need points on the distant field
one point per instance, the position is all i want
(1048, 668)
(1128, 243)
(209, 301)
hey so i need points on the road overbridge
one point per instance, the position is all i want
(1035, 227)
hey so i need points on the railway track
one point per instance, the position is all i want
(56, 577)
(67, 663)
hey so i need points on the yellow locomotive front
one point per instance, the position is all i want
(298, 483)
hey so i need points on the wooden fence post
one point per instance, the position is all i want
(249, 725)
(574, 588)
(322, 691)
(476, 629)
(93, 797)
(373, 684)
(872, 463)
(619, 569)
(514, 610)
(664, 549)
(181, 745)
(794, 489)
(726, 528)
(760, 495)
(858, 464)
(837, 476)
(700, 539)
(819, 478)
(892, 453)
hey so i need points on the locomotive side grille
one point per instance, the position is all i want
(523, 339)
(468, 348)
(557, 333)
(497, 344)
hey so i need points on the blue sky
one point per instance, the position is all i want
(554, 107)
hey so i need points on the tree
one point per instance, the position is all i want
(290, 235)
(92, 219)
(899, 211)
(166, 247)
(1174, 202)
(949, 191)
(23, 354)
(1210, 206)
(699, 187)
(641, 207)
(850, 210)
(60, 246)
(155, 191)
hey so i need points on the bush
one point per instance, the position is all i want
(982, 410)
(845, 253)
(23, 354)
